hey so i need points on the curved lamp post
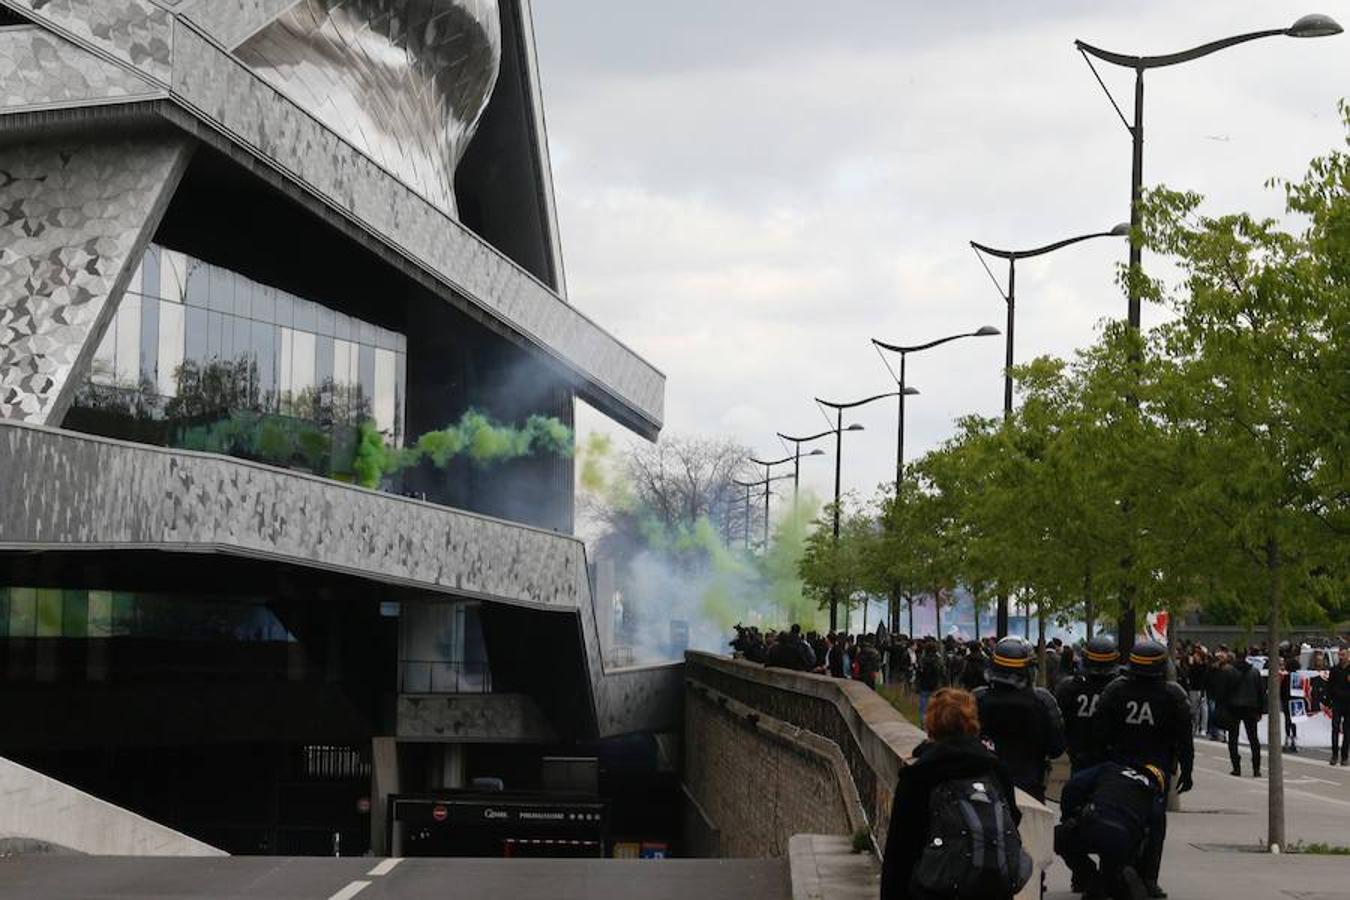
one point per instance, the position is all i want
(796, 460)
(904, 390)
(1310, 26)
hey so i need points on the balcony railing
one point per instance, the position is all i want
(425, 676)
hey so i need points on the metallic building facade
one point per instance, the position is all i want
(293, 223)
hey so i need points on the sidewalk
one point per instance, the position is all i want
(1224, 813)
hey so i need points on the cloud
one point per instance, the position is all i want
(748, 192)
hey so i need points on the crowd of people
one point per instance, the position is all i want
(1127, 725)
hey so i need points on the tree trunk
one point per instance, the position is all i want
(1040, 646)
(937, 613)
(910, 601)
(1274, 714)
(1089, 614)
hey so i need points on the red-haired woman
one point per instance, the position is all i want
(952, 755)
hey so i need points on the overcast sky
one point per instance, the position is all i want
(749, 191)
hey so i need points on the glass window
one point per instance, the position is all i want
(220, 336)
(384, 398)
(127, 366)
(305, 315)
(48, 612)
(172, 276)
(323, 361)
(197, 285)
(150, 272)
(197, 338)
(325, 320)
(400, 392)
(22, 612)
(100, 614)
(149, 339)
(171, 347)
(74, 614)
(104, 365)
(342, 327)
(302, 362)
(222, 290)
(366, 375)
(264, 307)
(286, 352)
(265, 353)
(134, 282)
(285, 310)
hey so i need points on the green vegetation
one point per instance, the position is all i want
(1201, 464)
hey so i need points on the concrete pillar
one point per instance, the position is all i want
(384, 781)
(447, 767)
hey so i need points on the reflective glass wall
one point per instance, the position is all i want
(191, 340)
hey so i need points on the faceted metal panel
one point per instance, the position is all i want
(405, 81)
(39, 69)
(136, 31)
(70, 491)
(74, 219)
(230, 21)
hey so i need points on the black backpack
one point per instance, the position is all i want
(973, 851)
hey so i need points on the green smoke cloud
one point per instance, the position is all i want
(475, 436)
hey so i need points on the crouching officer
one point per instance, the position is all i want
(1107, 810)
(1078, 698)
(1020, 720)
(1144, 720)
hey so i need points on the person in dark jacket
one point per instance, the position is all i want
(1020, 720)
(1078, 697)
(869, 661)
(953, 750)
(1244, 698)
(1107, 810)
(1144, 720)
(973, 676)
(1337, 695)
(791, 652)
(928, 678)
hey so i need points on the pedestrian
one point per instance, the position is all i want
(1288, 666)
(1145, 720)
(1020, 720)
(973, 674)
(929, 676)
(1194, 680)
(1078, 698)
(933, 843)
(869, 661)
(1244, 698)
(1337, 695)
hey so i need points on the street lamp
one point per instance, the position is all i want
(838, 433)
(1010, 296)
(796, 460)
(903, 390)
(764, 482)
(1010, 300)
(1310, 26)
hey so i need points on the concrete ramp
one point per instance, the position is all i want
(41, 814)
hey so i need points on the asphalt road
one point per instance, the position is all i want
(282, 878)
(1210, 842)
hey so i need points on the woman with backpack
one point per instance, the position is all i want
(932, 850)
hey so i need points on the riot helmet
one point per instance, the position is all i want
(1148, 659)
(1014, 662)
(1101, 657)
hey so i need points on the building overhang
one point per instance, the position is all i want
(66, 492)
(138, 58)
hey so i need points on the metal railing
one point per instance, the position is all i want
(427, 676)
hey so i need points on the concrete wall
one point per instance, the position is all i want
(40, 813)
(771, 753)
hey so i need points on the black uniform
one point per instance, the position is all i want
(1024, 726)
(1147, 721)
(1107, 810)
(1078, 698)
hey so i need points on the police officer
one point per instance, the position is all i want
(1078, 698)
(1020, 720)
(1107, 811)
(1144, 720)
